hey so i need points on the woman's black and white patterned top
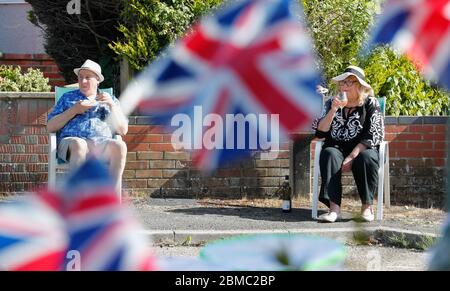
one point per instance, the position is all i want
(364, 124)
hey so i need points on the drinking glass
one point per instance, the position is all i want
(342, 97)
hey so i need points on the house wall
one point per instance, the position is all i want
(17, 34)
(21, 42)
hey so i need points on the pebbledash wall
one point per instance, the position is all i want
(418, 154)
(43, 62)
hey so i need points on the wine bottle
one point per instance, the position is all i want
(286, 196)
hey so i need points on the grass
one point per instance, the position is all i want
(402, 240)
(393, 239)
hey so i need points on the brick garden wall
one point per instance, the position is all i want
(153, 166)
(417, 159)
(418, 154)
(23, 140)
(36, 61)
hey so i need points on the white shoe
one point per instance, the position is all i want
(329, 217)
(367, 215)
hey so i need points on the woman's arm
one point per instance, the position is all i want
(373, 133)
(348, 161)
(325, 122)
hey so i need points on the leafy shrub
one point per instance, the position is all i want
(148, 26)
(12, 80)
(407, 93)
(339, 29)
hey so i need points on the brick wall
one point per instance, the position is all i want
(417, 159)
(23, 140)
(37, 61)
(154, 167)
(418, 154)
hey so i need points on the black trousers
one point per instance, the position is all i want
(364, 168)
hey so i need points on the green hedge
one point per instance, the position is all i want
(407, 93)
(13, 80)
(338, 28)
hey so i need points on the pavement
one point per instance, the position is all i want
(180, 227)
(177, 220)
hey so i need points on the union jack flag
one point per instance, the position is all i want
(421, 30)
(251, 57)
(100, 229)
(81, 227)
(32, 234)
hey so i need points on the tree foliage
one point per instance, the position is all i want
(70, 39)
(148, 26)
(396, 77)
(339, 28)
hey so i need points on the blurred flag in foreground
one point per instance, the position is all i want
(440, 253)
(239, 81)
(32, 234)
(99, 227)
(82, 227)
(421, 29)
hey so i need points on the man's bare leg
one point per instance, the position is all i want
(78, 151)
(116, 152)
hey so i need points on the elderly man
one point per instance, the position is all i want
(85, 121)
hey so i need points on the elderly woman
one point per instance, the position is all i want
(353, 130)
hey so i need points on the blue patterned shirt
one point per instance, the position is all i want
(89, 125)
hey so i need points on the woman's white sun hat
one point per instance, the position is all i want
(91, 66)
(353, 71)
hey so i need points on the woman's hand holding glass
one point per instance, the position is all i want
(339, 101)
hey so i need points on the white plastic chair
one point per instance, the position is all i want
(55, 164)
(383, 173)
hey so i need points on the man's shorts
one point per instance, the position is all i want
(63, 146)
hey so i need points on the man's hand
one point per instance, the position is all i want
(105, 98)
(347, 164)
(82, 106)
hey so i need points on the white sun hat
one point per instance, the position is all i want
(91, 66)
(353, 71)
